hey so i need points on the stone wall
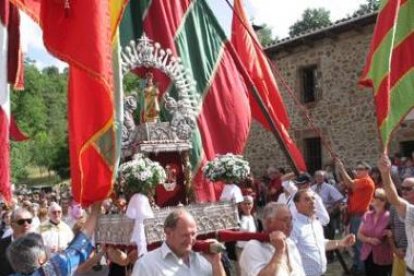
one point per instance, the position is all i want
(344, 112)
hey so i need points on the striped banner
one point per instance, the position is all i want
(389, 68)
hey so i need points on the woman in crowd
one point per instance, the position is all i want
(374, 234)
(5, 228)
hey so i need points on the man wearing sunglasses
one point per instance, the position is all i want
(404, 206)
(21, 223)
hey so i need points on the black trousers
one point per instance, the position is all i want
(372, 269)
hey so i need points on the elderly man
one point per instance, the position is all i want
(21, 222)
(175, 256)
(404, 206)
(278, 257)
(331, 199)
(360, 193)
(56, 233)
(308, 235)
(303, 182)
(27, 255)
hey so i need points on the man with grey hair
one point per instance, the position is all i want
(175, 256)
(21, 224)
(27, 255)
(55, 232)
(277, 257)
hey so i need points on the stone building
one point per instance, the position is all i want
(322, 68)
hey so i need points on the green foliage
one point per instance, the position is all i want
(311, 19)
(370, 6)
(131, 83)
(265, 35)
(40, 111)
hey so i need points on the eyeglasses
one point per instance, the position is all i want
(22, 221)
(406, 188)
(56, 212)
(380, 198)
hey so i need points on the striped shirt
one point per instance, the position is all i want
(398, 229)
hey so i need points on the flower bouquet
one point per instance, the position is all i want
(228, 168)
(141, 175)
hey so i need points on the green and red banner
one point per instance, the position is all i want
(191, 31)
(389, 68)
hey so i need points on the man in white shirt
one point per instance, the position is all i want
(279, 256)
(303, 182)
(331, 199)
(308, 235)
(175, 256)
(404, 206)
(56, 234)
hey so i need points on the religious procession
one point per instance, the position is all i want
(197, 144)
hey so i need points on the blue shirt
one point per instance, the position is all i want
(66, 262)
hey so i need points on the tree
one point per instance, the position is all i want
(264, 34)
(311, 19)
(370, 6)
(40, 111)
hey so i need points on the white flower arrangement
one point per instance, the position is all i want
(229, 168)
(141, 174)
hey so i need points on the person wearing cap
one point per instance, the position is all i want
(303, 182)
(55, 232)
(21, 224)
(360, 194)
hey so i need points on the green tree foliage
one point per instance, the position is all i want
(311, 19)
(40, 111)
(370, 6)
(265, 35)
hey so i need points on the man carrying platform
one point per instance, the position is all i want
(175, 256)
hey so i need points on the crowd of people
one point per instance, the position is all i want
(306, 219)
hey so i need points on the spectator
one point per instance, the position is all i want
(360, 193)
(303, 182)
(374, 234)
(398, 243)
(21, 220)
(6, 229)
(331, 199)
(404, 206)
(309, 238)
(274, 188)
(56, 233)
(27, 255)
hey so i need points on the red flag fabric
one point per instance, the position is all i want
(254, 60)
(81, 36)
(10, 72)
(15, 133)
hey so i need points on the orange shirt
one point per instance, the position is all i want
(361, 196)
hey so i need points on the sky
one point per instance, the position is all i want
(277, 14)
